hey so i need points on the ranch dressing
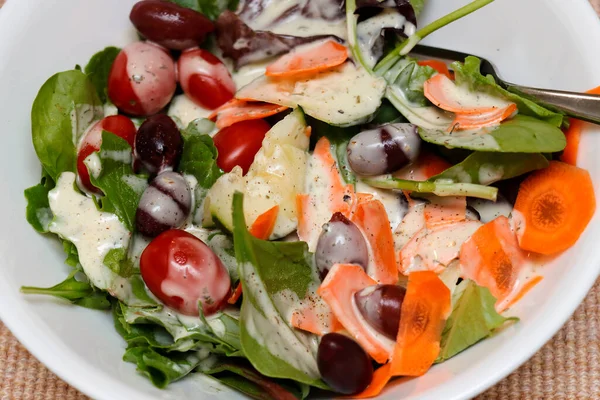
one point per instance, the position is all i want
(186, 110)
(93, 232)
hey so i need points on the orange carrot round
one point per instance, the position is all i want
(553, 207)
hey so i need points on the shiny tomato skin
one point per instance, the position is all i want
(238, 144)
(205, 79)
(181, 271)
(92, 140)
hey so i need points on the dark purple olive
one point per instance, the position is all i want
(170, 25)
(164, 205)
(158, 145)
(340, 242)
(343, 364)
(381, 307)
(384, 149)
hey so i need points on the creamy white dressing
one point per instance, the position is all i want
(93, 164)
(267, 328)
(461, 96)
(489, 173)
(270, 19)
(82, 117)
(246, 74)
(394, 207)
(383, 340)
(412, 223)
(489, 210)
(93, 232)
(136, 183)
(424, 117)
(110, 109)
(186, 110)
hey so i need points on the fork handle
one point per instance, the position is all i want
(577, 105)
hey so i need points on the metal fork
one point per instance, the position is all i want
(573, 104)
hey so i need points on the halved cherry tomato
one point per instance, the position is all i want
(92, 140)
(205, 79)
(183, 272)
(238, 144)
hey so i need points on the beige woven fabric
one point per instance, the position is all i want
(567, 367)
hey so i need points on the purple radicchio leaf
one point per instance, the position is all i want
(329, 10)
(244, 45)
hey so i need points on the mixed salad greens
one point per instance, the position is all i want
(279, 196)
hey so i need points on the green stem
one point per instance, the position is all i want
(429, 29)
(437, 188)
(352, 39)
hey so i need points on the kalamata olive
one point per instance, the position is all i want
(205, 79)
(158, 145)
(165, 204)
(169, 24)
(340, 242)
(343, 364)
(142, 79)
(380, 306)
(384, 149)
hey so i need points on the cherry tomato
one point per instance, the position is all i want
(238, 144)
(182, 271)
(92, 140)
(142, 79)
(205, 79)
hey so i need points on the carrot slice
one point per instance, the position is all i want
(488, 118)
(553, 208)
(316, 210)
(372, 219)
(338, 289)
(263, 225)
(314, 319)
(426, 307)
(445, 210)
(439, 66)
(492, 258)
(235, 296)
(573, 136)
(324, 56)
(237, 110)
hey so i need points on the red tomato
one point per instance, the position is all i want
(142, 79)
(92, 140)
(205, 79)
(181, 271)
(238, 143)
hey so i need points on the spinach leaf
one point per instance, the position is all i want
(77, 292)
(199, 153)
(486, 168)
(62, 110)
(210, 8)
(473, 318)
(521, 134)
(272, 274)
(98, 69)
(163, 369)
(468, 73)
(72, 255)
(117, 261)
(409, 77)
(243, 377)
(121, 187)
(38, 212)
(439, 187)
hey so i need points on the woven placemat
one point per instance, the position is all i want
(567, 367)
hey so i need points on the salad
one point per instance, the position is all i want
(279, 196)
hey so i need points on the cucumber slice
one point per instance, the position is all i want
(275, 178)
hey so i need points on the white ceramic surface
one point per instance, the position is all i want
(550, 43)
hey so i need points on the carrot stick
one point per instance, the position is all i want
(573, 135)
(553, 207)
(235, 296)
(338, 289)
(237, 110)
(439, 66)
(325, 56)
(372, 219)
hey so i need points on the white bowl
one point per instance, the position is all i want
(548, 43)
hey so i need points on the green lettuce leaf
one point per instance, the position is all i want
(521, 134)
(98, 69)
(408, 77)
(77, 292)
(468, 73)
(117, 261)
(63, 109)
(38, 212)
(271, 274)
(121, 187)
(199, 153)
(473, 318)
(210, 8)
(72, 255)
